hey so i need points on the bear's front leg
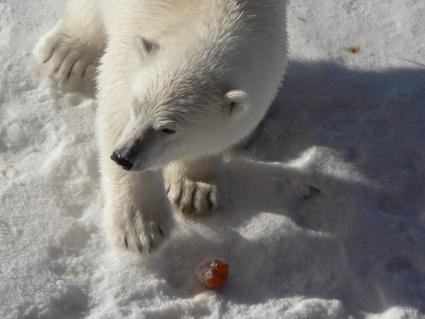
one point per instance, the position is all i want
(196, 186)
(136, 210)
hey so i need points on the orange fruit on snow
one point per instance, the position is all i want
(212, 273)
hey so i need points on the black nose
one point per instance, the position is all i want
(122, 161)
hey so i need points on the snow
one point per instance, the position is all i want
(351, 126)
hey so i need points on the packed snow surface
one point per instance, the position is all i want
(327, 209)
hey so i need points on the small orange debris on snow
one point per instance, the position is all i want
(354, 49)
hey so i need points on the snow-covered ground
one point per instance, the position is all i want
(351, 125)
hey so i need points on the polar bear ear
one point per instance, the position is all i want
(236, 103)
(144, 46)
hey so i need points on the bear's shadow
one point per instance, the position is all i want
(300, 232)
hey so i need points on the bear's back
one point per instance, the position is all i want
(154, 19)
(157, 19)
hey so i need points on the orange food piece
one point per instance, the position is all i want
(212, 273)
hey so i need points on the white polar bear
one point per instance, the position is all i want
(178, 82)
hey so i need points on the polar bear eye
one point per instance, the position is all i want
(168, 131)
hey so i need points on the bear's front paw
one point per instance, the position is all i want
(137, 232)
(67, 64)
(193, 197)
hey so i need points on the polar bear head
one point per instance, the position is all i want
(180, 109)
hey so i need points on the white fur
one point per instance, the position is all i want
(207, 70)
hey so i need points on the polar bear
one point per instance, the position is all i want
(178, 82)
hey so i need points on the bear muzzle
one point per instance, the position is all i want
(122, 161)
